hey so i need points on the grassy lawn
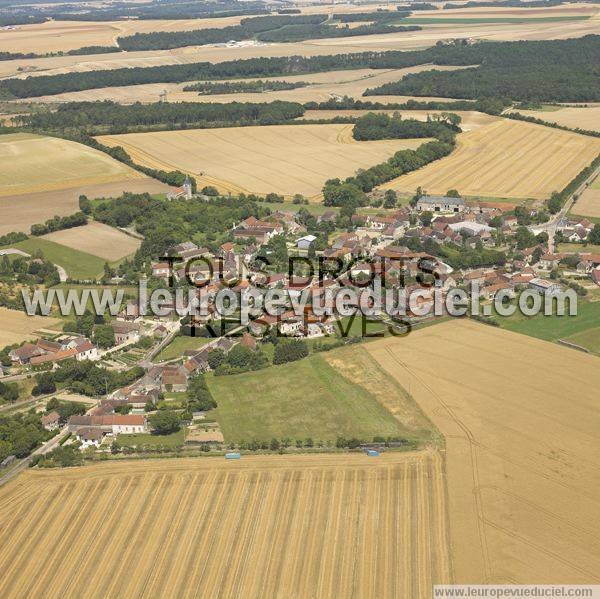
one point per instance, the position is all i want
(78, 265)
(589, 339)
(172, 440)
(578, 248)
(552, 328)
(308, 398)
(179, 345)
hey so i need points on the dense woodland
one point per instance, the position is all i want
(12, 13)
(557, 70)
(382, 126)
(545, 71)
(165, 224)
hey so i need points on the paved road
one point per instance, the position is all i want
(24, 463)
(550, 226)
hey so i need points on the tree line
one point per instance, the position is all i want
(95, 117)
(351, 193)
(272, 28)
(207, 88)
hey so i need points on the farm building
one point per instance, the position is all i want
(440, 204)
(544, 286)
(51, 421)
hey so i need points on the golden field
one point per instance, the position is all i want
(588, 203)
(269, 526)
(36, 163)
(62, 36)
(323, 86)
(97, 239)
(16, 326)
(587, 118)
(522, 426)
(19, 212)
(285, 159)
(505, 159)
(470, 118)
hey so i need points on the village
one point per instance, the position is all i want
(487, 245)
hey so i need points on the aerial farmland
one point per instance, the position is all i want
(299, 300)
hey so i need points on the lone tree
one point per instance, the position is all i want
(165, 422)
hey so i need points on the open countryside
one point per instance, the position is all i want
(35, 163)
(516, 451)
(236, 154)
(307, 526)
(249, 159)
(505, 159)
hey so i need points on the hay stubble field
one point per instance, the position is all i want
(286, 159)
(270, 526)
(37, 163)
(507, 159)
(521, 424)
(96, 239)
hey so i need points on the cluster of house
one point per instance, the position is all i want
(44, 351)
(372, 237)
(104, 420)
(575, 231)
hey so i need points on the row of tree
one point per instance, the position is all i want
(94, 117)
(58, 223)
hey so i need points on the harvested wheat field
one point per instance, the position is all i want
(506, 159)
(97, 239)
(274, 526)
(470, 118)
(575, 117)
(19, 212)
(16, 326)
(286, 159)
(522, 426)
(37, 163)
(62, 36)
(589, 202)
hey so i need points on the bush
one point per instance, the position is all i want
(290, 350)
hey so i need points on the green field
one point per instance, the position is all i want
(589, 339)
(552, 328)
(308, 398)
(150, 440)
(484, 20)
(78, 265)
(578, 248)
(179, 345)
